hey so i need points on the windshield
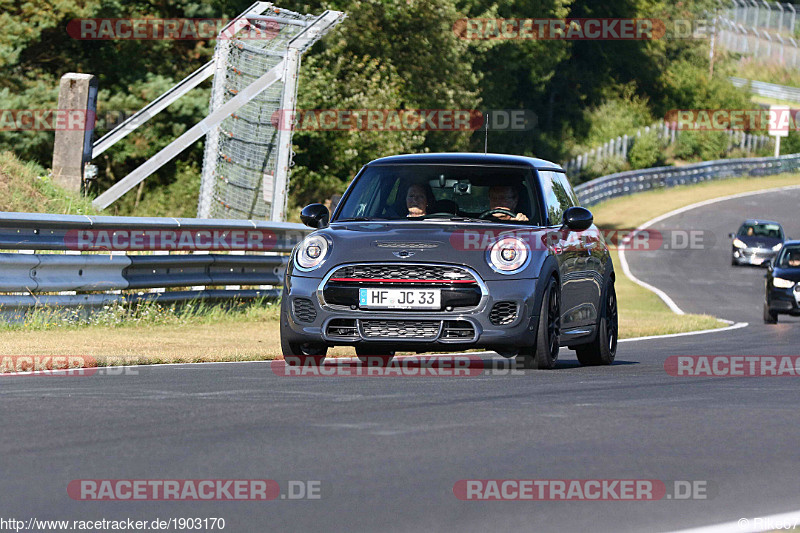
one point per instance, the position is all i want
(789, 258)
(772, 231)
(423, 192)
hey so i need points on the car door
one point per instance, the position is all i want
(573, 251)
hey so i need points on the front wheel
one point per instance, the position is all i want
(544, 354)
(604, 347)
(303, 354)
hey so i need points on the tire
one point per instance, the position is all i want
(770, 317)
(544, 354)
(303, 354)
(603, 349)
(374, 356)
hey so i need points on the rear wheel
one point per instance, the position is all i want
(604, 347)
(770, 317)
(544, 354)
(303, 354)
(374, 356)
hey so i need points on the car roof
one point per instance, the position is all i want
(790, 243)
(466, 158)
(760, 221)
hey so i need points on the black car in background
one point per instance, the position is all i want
(783, 284)
(447, 252)
(756, 243)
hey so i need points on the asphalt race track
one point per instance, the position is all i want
(388, 451)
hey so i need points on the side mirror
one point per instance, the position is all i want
(732, 235)
(315, 216)
(578, 218)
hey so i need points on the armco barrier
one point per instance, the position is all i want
(84, 276)
(633, 181)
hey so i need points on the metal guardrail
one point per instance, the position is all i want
(770, 90)
(41, 279)
(39, 231)
(633, 181)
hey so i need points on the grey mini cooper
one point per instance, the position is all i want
(447, 252)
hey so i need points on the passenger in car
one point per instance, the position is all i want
(505, 197)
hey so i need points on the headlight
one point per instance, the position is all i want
(739, 244)
(778, 246)
(311, 253)
(509, 255)
(782, 283)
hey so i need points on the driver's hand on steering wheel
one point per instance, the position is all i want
(519, 218)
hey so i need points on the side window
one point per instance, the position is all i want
(573, 198)
(558, 195)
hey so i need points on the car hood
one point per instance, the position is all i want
(426, 242)
(792, 274)
(760, 242)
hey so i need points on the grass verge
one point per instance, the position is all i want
(26, 187)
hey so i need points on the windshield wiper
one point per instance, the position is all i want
(358, 219)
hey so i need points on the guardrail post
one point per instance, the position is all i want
(72, 149)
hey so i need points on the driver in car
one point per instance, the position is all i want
(794, 259)
(416, 201)
(505, 197)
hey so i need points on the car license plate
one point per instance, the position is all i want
(400, 298)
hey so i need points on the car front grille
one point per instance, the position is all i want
(400, 329)
(304, 310)
(403, 273)
(503, 313)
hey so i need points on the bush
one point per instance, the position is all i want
(701, 145)
(619, 115)
(607, 166)
(791, 144)
(646, 151)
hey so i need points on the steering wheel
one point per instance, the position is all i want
(490, 212)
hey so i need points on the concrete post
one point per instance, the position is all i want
(77, 94)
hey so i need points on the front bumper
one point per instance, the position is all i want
(753, 256)
(315, 321)
(785, 301)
